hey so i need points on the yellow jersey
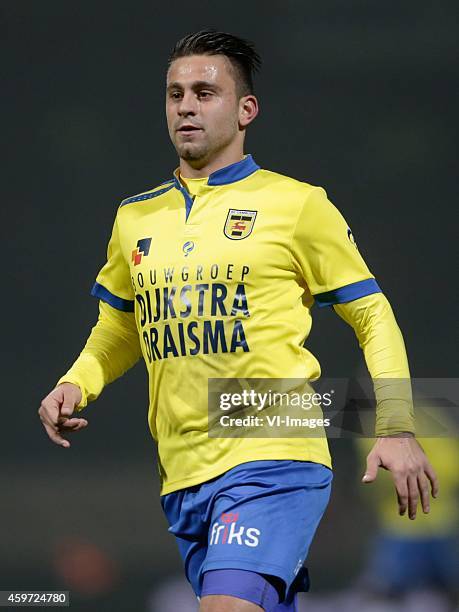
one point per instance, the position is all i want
(221, 282)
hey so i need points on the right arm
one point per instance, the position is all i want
(111, 349)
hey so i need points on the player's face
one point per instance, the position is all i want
(202, 107)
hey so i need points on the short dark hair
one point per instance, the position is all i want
(240, 52)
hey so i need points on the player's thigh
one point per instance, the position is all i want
(242, 590)
(226, 603)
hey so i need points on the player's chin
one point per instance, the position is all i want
(191, 151)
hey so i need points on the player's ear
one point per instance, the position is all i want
(248, 110)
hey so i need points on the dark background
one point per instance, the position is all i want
(360, 97)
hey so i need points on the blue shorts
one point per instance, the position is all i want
(260, 516)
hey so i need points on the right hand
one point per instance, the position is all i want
(56, 410)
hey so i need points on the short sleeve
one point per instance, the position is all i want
(113, 283)
(325, 254)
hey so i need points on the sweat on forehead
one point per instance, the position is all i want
(209, 64)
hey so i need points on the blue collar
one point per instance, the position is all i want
(230, 174)
(234, 172)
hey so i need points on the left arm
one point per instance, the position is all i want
(396, 449)
(325, 255)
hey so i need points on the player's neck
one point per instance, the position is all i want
(223, 159)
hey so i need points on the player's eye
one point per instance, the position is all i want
(204, 94)
(175, 95)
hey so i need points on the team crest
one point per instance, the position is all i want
(239, 223)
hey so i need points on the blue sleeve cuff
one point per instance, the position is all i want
(348, 293)
(99, 291)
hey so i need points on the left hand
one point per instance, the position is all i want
(403, 456)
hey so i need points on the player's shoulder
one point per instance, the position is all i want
(154, 192)
(287, 184)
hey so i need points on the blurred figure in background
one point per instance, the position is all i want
(416, 563)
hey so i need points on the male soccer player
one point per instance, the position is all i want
(212, 274)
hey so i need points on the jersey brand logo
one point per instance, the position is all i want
(142, 248)
(188, 247)
(239, 223)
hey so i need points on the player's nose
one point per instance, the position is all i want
(188, 105)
